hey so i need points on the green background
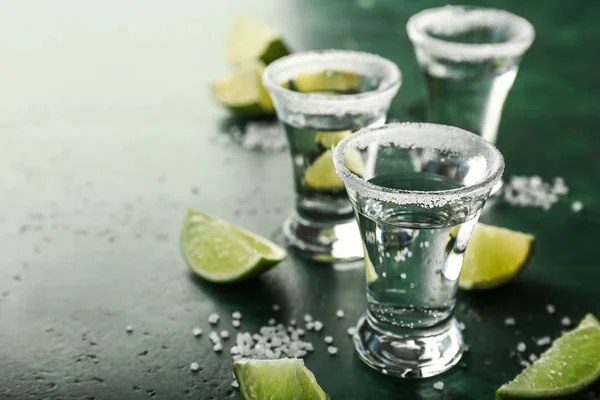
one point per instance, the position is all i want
(108, 132)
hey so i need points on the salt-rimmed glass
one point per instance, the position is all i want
(469, 57)
(321, 97)
(416, 200)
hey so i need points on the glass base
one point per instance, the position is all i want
(424, 354)
(324, 242)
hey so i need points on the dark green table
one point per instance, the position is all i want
(108, 133)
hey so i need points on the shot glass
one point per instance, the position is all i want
(469, 57)
(417, 197)
(322, 97)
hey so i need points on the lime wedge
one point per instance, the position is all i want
(221, 252)
(494, 256)
(321, 174)
(331, 139)
(251, 39)
(284, 379)
(328, 81)
(243, 92)
(570, 365)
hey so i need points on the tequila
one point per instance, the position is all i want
(416, 199)
(321, 98)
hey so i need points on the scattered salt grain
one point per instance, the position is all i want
(532, 357)
(524, 191)
(462, 326)
(565, 321)
(197, 332)
(576, 206)
(217, 347)
(195, 366)
(261, 135)
(310, 326)
(403, 276)
(293, 322)
(509, 321)
(328, 339)
(339, 313)
(351, 331)
(332, 350)
(438, 385)
(308, 318)
(271, 321)
(318, 325)
(236, 323)
(543, 341)
(276, 307)
(524, 363)
(234, 384)
(521, 347)
(213, 318)
(550, 309)
(236, 315)
(224, 334)
(129, 329)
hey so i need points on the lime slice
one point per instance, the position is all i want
(250, 39)
(321, 174)
(243, 92)
(570, 365)
(284, 379)
(327, 82)
(221, 252)
(494, 256)
(330, 139)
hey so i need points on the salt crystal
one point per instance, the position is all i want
(403, 276)
(339, 313)
(224, 334)
(197, 332)
(509, 321)
(195, 366)
(565, 321)
(462, 326)
(276, 307)
(521, 347)
(129, 329)
(310, 326)
(544, 341)
(332, 350)
(292, 322)
(234, 384)
(328, 339)
(532, 191)
(550, 309)
(524, 363)
(271, 321)
(351, 331)
(236, 315)
(217, 347)
(532, 357)
(576, 206)
(318, 325)
(213, 318)
(308, 318)
(236, 323)
(438, 385)
(261, 135)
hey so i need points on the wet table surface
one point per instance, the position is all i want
(108, 133)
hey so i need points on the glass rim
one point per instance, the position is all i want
(428, 199)
(388, 88)
(515, 46)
